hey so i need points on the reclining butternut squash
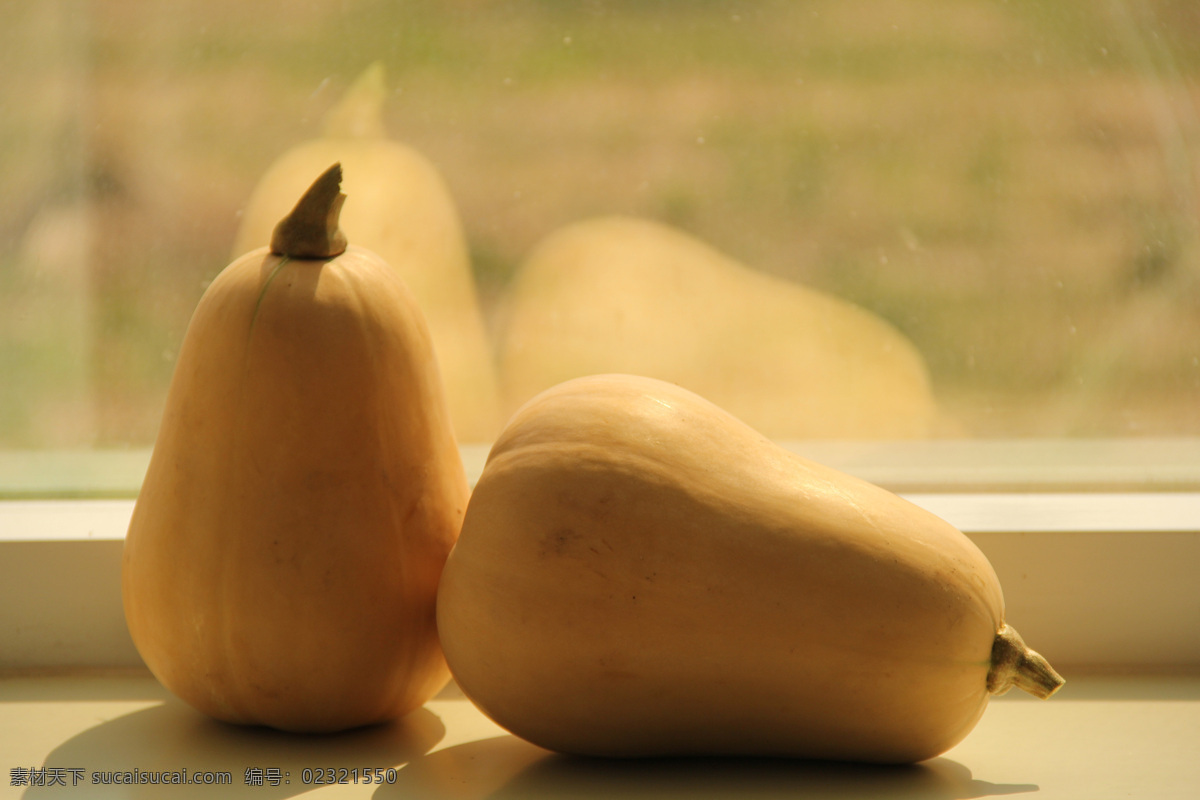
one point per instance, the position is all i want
(639, 573)
(282, 562)
(630, 295)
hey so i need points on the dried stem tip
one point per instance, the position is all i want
(1014, 664)
(311, 229)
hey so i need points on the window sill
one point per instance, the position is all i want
(957, 465)
(1095, 575)
(1098, 737)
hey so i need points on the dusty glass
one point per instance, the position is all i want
(1007, 187)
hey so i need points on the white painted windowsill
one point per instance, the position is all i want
(1096, 543)
(1100, 737)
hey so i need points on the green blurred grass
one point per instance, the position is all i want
(1013, 183)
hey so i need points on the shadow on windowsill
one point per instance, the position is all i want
(507, 768)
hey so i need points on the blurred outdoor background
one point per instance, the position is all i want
(1012, 183)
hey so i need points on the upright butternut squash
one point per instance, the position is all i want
(405, 213)
(282, 562)
(639, 573)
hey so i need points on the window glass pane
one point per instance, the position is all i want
(1010, 186)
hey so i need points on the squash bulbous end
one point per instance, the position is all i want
(1014, 664)
(311, 229)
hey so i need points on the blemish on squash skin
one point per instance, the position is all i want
(559, 542)
(566, 542)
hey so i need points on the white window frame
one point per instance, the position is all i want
(1096, 543)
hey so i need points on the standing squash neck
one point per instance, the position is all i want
(359, 114)
(311, 229)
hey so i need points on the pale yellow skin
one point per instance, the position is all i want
(627, 295)
(400, 207)
(282, 563)
(640, 574)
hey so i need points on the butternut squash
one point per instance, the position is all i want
(621, 294)
(641, 574)
(282, 561)
(406, 214)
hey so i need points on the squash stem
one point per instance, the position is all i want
(1014, 664)
(311, 229)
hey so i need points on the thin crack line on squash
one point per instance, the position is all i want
(282, 261)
